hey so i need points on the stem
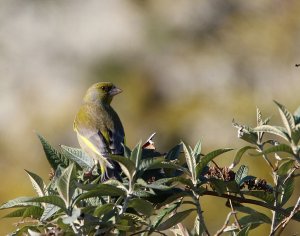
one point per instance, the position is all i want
(274, 212)
(220, 231)
(246, 200)
(196, 199)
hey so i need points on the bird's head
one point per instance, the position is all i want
(101, 92)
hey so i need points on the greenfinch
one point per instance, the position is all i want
(99, 128)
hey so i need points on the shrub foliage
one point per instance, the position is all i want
(154, 188)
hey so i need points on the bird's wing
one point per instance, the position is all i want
(116, 141)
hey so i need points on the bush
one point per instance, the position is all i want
(154, 186)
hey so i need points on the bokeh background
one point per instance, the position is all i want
(187, 69)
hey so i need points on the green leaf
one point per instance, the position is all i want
(16, 213)
(37, 183)
(174, 219)
(265, 196)
(33, 212)
(54, 200)
(54, 157)
(197, 151)
(218, 185)
(66, 184)
(244, 231)
(174, 153)
(162, 214)
(255, 215)
(297, 115)
(278, 148)
(174, 197)
(78, 156)
(191, 162)
(18, 202)
(151, 163)
(285, 167)
(209, 157)
(241, 174)
(134, 218)
(279, 131)
(49, 211)
(103, 209)
(287, 118)
(142, 206)
(288, 190)
(136, 154)
(102, 190)
(239, 155)
(128, 167)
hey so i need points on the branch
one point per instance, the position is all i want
(246, 200)
(220, 231)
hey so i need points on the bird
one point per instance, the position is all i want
(99, 129)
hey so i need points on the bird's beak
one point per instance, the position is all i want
(115, 91)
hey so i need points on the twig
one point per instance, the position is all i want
(234, 215)
(199, 212)
(281, 226)
(247, 200)
(220, 231)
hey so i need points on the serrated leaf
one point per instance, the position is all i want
(273, 130)
(174, 219)
(239, 155)
(278, 148)
(287, 118)
(285, 167)
(191, 162)
(18, 202)
(127, 166)
(102, 190)
(37, 183)
(241, 174)
(33, 212)
(54, 157)
(66, 184)
(209, 157)
(78, 156)
(288, 190)
(142, 206)
(54, 200)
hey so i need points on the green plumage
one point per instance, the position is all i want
(98, 127)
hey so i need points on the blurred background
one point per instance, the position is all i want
(187, 69)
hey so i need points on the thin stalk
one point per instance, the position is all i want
(196, 198)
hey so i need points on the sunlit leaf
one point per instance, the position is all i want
(37, 183)
(18, 202)
(285, 167)
(273, 130)
(66, 184)
(241, 174)
(78, 156)
(287, 118)
(136, 154)
(103, 209)
(191, 162)
(54, 157)
(54, 200)
(278, 148)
